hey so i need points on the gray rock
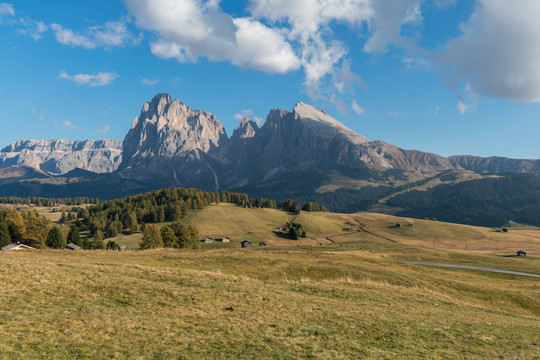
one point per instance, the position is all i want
(61, 156)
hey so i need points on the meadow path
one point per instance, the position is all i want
(469, 267)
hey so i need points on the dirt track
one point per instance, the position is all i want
(469, 267)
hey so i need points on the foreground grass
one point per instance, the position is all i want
(335, 302)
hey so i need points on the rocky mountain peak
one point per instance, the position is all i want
(247, 129)
(166, 136)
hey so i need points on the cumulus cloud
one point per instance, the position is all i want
(357, 108)
(98, 79)
(306, 23)
(104, 129)
(189, 29)
(149, 82)
(112, 34)
(498, 51)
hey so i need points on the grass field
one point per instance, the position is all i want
(340, 294)
(323, 302)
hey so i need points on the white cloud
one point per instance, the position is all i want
(242, 114)
(498, 51)
(104, 129)
(357, 108)
(340, 105)
(99, 79)
(258, 120)
(66, 125)
(41, 117)
(189, 29)
(306, 23)
(416, 63)
(389, 16)
(34, 29)
(6, 10)
(112, 34)
(149, 82)
(469, 100)
(344, 79)
(437, 108)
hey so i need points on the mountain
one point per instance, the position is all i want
(169, 142)
(57, 157)
(303, 154)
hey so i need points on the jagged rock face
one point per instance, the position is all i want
(246, 129)
(170, 142)
(308, 139)
(61, 156)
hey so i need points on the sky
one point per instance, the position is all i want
(444, 76)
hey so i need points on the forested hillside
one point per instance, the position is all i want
(486, 202)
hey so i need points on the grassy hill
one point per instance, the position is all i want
(256, 225)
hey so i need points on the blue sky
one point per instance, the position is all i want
(444, 76)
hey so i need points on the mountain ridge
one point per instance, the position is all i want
(171, 144)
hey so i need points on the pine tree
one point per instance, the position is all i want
(55, 239)
(151, 237)
(63, 218)
(36, 230)
(97, 240)
(5, 238)
(168, 237)
(111, 245)
(15, 223)
(73, 235)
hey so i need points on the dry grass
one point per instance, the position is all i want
(267, 304)
(256, 225)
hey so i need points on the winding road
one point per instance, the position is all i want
(469, 267)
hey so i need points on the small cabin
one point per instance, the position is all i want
(123, 247)
(72, 246)
(245, 243)
(262, 243)
(278, 230)
(17, 246)
(410, 224)
(498, 230)
(225, 239)
(521, 253)
(208, 240)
